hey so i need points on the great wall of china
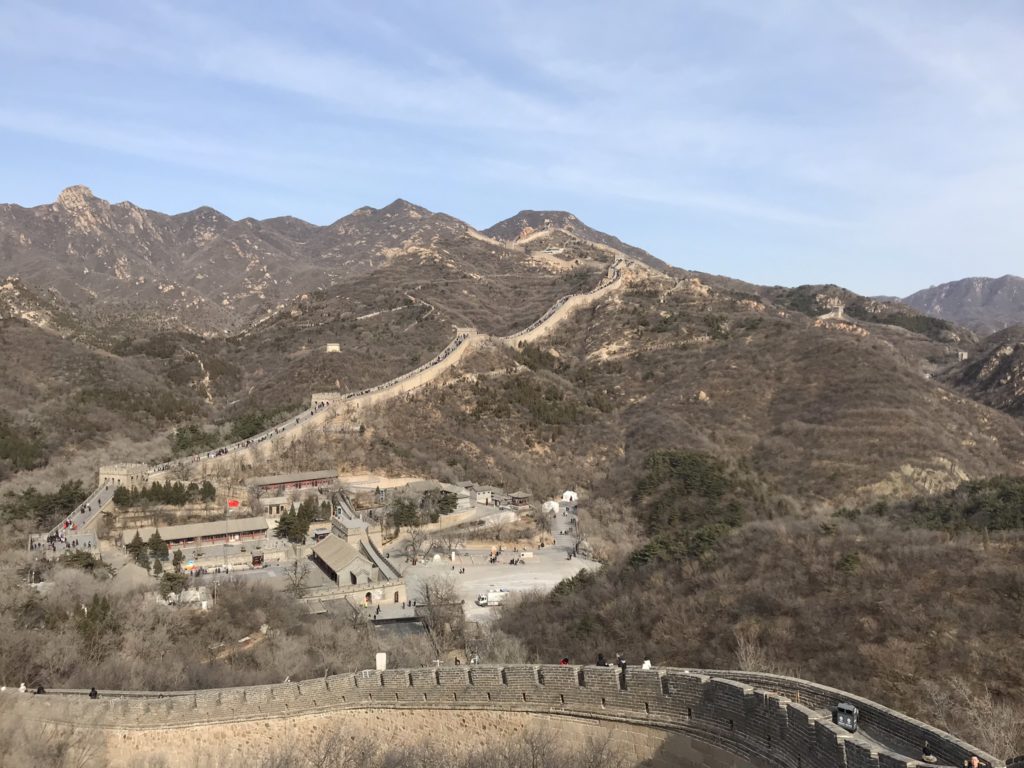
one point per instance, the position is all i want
(708, 718)
(711, 719)
(327, 407)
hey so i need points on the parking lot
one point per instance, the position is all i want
(542, 571)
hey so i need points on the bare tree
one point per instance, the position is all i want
(446, 542)
(297, 573)
(442, 611)
(417, 538)
(751, 655)
(976, 715)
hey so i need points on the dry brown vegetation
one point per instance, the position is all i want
(24, 744)
(820, 416)
(536, 748)
(922, 621)
(799, 417)
(85, 630)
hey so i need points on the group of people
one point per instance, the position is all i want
(620, 662)
(241, 444)
(61, 539)
(93, 693)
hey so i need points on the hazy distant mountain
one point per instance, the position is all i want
(983, 304)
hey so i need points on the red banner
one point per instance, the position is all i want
(233, 502)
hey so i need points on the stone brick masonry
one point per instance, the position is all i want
(763, 720)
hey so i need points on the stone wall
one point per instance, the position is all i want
(761, 726)
(130, 476)
(563, 308)
(335, 406)
(463, 731)
(887, 725)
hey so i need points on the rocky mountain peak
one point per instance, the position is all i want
(402, 207)
(75, 197)
(528, 223)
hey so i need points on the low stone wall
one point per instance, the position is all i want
(762, 727)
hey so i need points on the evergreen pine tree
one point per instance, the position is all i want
(136, 547)
(157, 547)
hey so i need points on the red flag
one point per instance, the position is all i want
(233, 502)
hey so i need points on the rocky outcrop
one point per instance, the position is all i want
(994, 374)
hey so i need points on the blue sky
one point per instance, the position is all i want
(876, 145)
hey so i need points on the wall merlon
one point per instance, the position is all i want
(602, 679)
(485, 676)
(645, 681)
(521, 677)
(396, 678)
(559, 677)
(423, 678)
(457, 677)
(368, 678)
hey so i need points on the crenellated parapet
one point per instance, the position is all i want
(763, 719)
(132, 476)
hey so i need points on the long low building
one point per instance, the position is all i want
(294, 481)
(216, 532)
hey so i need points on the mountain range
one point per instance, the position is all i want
(758, 465)
(152, 319)
(983, 304)
(205, 272)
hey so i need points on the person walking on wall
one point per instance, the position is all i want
(647, 663)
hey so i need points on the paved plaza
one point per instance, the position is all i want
(542, 571)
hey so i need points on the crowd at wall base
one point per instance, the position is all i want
(759, 723)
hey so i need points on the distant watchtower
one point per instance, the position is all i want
(130, 476)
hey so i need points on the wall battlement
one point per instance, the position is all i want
(130, 475)
(764, 719)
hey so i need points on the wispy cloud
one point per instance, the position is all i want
(818, 125)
